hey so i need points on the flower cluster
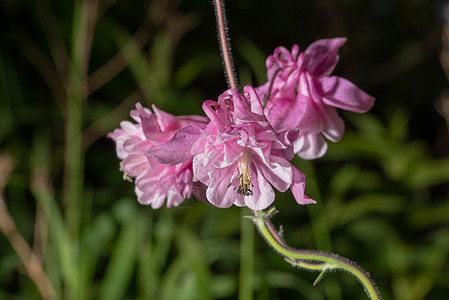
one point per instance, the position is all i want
(301, 93)
(243, 148)
(155, 182)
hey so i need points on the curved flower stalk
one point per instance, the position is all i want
(311, 260)
(155, 182)
(301, 93)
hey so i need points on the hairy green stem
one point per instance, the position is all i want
(311, 260)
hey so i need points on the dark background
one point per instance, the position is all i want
(71, 71)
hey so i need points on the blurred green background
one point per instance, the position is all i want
(71, 71)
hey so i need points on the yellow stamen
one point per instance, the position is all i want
(125, 176)
(245, 186)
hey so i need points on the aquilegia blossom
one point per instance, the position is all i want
(239, 155)
(301, 93)
(155, 182)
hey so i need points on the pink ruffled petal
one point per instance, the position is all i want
(321, 57)
(281, 115)
(156, 200)
(218, 193)
(310, 146)
(263, 193)
(309, 105)
(200, 173)
(185, 121)
(219, 117)
(166, 122)
(174, 198)
(298, 187)
(251, 95)
(334, 126)
(278, 173)
(341, 93)
(148, 121)
(135, 164)
(130, 128)
(178, 149)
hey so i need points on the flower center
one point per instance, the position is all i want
(245, 185)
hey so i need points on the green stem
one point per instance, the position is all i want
(246, 260)
(74, 161)
(311, 260)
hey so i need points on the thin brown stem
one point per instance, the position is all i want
(224, 44)
(30, 261)
(33, 266)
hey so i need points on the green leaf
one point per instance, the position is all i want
(122, 262)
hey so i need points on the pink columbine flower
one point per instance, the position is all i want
(238, 156)
(304, 95)
(154, 181)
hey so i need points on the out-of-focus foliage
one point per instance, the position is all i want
(71, 71)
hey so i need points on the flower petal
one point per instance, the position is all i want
(218, 193)
(178, 149)
(147, 198)
(298, 187)
(263, 192)
(333, 125)
(341, 93)
(282, 114)
(321, 57)
(135, 164)
(278, 173)
(251, 95)
(310, 145)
